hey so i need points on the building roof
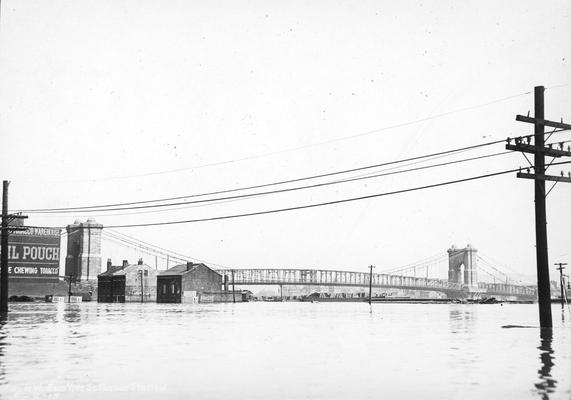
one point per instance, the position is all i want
(182, 269)
(111, 271)
(117, 270)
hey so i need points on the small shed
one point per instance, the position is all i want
(186, 283)
(127, 283)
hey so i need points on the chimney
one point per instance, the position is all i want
(188, 265)
(125, 264)
(140, 262)
(109, 264)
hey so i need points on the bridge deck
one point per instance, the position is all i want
(319, 277)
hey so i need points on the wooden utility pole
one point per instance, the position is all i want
(370, 282)
(142, 287)
(69, 289)
(562, 283)
(539, 151)
(5, 233)
(4, 255)
(233, 289)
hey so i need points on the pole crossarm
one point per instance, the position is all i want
(541, 177)
(528, 148)
(544, 122)
(14, 228)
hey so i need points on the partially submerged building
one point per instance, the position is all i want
(192, 283)
(127, 283)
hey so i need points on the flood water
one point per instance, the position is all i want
(282, 351)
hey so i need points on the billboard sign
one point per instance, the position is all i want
(34, 253)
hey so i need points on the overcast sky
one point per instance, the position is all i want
(99, 100)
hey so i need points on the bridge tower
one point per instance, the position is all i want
(465, 257)
(83, 259)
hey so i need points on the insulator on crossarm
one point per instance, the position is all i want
(561, 173)
(509, 140)
(527, 170)
(528, 113)
(528, 139)
(550, 145)
(561, 145)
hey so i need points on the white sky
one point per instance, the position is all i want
(95, 90)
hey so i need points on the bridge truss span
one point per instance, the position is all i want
(318, 277)
(321, 277)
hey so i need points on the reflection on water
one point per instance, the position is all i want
(3, 321)
(546, 383)
(261, 351)
(461, 318)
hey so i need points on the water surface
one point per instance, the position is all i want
(282, 351)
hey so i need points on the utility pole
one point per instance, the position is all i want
(4, 255)
(233, 289)
(5, 231)
(539, 151)
(69, 289)
(562, 283)
(142, 287)
(370, 282)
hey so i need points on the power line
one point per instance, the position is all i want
(237, 197)
(318, 204)
(336, 140)
(271, 183)
(451, 151)
(106, 206)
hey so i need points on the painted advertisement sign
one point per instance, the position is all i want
(34, 253)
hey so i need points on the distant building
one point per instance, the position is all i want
(127, 283)
(192, 283)
(83, 259)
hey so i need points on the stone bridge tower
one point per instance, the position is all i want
(83, 260)
(465, 257)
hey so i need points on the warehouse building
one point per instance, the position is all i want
(192, 283)
(127, 283)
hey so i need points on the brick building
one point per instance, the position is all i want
(189, 283)
(127, 283)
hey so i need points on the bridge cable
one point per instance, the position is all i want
(171, 253)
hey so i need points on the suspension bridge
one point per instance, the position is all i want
(462, 266)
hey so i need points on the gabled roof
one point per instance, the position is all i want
(182, 269)
(111, 271)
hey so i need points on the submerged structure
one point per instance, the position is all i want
(127, 283)
(193, 283)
